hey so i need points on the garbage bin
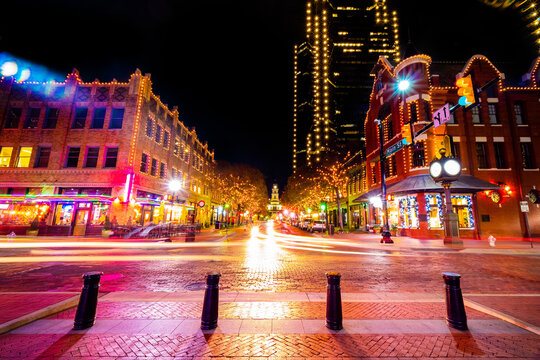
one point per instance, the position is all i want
(217, 225)
(331, 229)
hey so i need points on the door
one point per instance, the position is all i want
(81, 220)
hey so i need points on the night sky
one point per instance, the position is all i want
(227, 65)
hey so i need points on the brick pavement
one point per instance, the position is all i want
(14, 305)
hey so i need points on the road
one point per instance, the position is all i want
(268, 258)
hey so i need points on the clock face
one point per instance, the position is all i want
(495, 197)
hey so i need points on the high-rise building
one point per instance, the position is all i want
(332, 82)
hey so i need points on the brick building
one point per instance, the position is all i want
(74, 152)
(497, 142)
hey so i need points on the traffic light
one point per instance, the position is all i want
(323, 207)
(406, 134)
(466, 91)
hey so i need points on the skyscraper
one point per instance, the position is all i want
(344, 38)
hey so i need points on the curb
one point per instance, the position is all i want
(39, 314)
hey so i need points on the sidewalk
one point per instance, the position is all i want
(285, 326)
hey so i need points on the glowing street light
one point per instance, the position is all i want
(9, 68)
(404, 85)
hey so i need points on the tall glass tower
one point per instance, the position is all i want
(332, 82)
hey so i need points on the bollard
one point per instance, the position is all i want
(334, 316)
(86, 310)
(455, 309)
(209, 316)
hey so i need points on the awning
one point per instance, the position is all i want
(425, 183)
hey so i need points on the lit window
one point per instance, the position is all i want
(5, 155)
(25, 152)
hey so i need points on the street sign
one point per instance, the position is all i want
(524, 206)
(441, 116)
(201, 203)
(394, 148)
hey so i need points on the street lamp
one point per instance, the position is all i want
(386, 228)
(447, 170)
(174, 186)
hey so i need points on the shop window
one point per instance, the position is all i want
(158, 134)
(527, 157)
(98, 120)
(493, 116)
(117, 118)
(64, 214)
(418, 156)
(111, 156)
(434, 210)
(153, 167)
(408, 212)
(500, 157)
(51, 118)
(92, 154)
(149, 127)
(99, 212)
(12, 118)
(144, 163)
(476, 114)
(32, 118)
(5, 155)
(43, 155)
(166, 137)
(481, 157)
(25, 153)
(519, 113)
(72, 160)
(80, 118)
(162, 171)
(462, 205)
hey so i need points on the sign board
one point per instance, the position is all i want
(524, 206)
(394, 148)
(441, 116)
(201, 203)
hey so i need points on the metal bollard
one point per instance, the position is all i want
(209, 316)
(455, 309)
(334, 315)
(86, 310)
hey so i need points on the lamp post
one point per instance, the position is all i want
(386, 228)
(446, 170)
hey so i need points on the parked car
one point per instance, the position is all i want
(304, 225)
(318, 225)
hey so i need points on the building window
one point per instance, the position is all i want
(25, 153)
(373, 173)
(519, 113)
(144, 163)
(527, 156)
(418, 157)
(454, 148)
(481, 157)
(117, 118)
(414, 113)
(475, 113)
(158, 133)
(153, 167)
(12, 119)
(166, 137)
(32, 118)
(162, 171)
(5, 155)
(452, 119)
(493, 118)
(72, 159)
(51, 118)
(110, 157)
(427, 111)
(500, 157)
(98, 120)
(176, 147)
(80, 118)
(92, 154)
(149, 127)
(434, 211)
(462, 205)
(43, 155)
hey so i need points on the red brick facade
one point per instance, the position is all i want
(497, 142)
(94, 136)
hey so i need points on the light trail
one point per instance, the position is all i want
(105, 258)
(108, 244)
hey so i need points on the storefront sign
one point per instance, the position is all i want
(201, 203)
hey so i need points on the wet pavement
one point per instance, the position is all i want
(273, 279)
